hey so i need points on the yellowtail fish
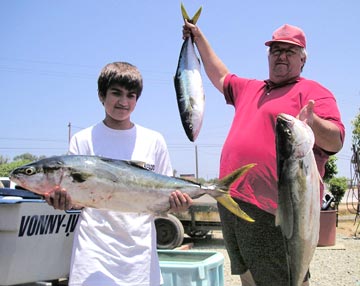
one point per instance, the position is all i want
(104, 183)
(298, 213)
(188, 85)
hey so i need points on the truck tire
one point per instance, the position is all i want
(169, 232)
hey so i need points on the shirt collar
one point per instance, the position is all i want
(269, 85)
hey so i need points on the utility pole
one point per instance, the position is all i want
(69, 135)
(196, 163)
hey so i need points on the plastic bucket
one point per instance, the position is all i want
(327, 233)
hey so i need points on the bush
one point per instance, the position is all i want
(5, 169)
(337, 187)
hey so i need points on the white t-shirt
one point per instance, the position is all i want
(115, 248)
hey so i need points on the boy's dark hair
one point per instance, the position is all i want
(122, 73)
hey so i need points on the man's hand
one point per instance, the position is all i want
(179, 201)
(327, 134)
(307, 113)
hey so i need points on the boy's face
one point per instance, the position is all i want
(119, 103)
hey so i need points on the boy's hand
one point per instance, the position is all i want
(59, 199)
(179, 201)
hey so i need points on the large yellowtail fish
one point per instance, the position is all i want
(298, 212)
(117, 185)
(189, 86)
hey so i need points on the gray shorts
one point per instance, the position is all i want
(258, 247)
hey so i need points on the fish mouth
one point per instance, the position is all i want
(14, 177)
(285, 120)
(284, 135)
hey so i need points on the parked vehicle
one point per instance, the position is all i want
(30, 229)
(7, 183)
(201, 218)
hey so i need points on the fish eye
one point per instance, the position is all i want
(288, 133)
(30, 171)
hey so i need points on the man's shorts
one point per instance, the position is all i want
(258, 246)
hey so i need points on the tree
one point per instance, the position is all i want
(5, 169)
(356, 130)
(338, 186)
(26, 156)
(330, 169)
(3, 160)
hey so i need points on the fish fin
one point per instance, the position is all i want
(228, 202)
(185, 15)
(137, 163)
(226, 182)
(285, 216)
(116, 162)
(225, 199)
(79, 177)
(195, 18)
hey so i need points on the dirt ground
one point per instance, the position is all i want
(347, 225)
(349, 228)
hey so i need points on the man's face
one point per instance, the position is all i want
(285, 62)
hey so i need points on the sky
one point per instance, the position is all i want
(51, 53)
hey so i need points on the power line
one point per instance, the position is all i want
(31, 139)
(31, 148)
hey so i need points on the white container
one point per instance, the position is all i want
(35, 241)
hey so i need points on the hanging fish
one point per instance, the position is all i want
(188, 84)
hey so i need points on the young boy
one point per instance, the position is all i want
(115, 248)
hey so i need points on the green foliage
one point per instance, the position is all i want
(356, 130)
(26, 157)
(5, 169)
(3, 160)
(337, 188)
(330, 169)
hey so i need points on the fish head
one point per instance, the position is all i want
(294, 138)
(40, 176)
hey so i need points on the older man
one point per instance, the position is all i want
(256, 250)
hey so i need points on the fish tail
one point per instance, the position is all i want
(185, 15)
(225, 199)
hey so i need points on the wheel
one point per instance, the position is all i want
(169, 232)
